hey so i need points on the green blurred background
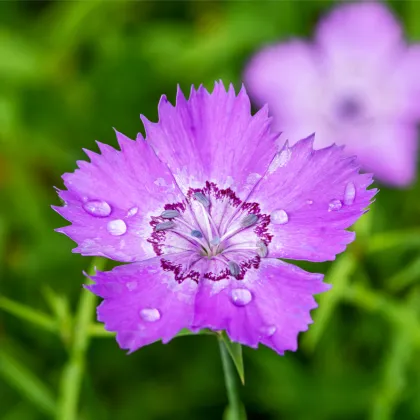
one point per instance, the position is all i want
(69, 72)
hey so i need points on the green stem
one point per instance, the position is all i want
(71, 378)
(231, 383)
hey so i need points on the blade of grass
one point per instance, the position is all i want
(26, 383)
(27, 313)
(394, 370)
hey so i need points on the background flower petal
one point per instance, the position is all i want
(367, 28)
(286, 76)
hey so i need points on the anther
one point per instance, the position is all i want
(234, 268)
(196, 234)
(164, 226)
(215, 241)
(249, 220)
(202, 199)
(170, 214)
(262, 249)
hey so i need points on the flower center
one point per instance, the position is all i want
(349, 109)
(212, 233)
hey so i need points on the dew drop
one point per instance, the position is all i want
(279, 217)
(117, 227)
(310, 202)
(349, 194)
(335, 205)
(240, 297)
(170, 214)
(131, 285)
(268, 330)
(281, 159)
(150, 314)
(97, 208)
(132, 212)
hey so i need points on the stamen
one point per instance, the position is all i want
(196, 233)
(234, 268)
(181, 220)
(207, 224)
(249, 220)
(202, 199)
(170, 214)
(192, 239)
(164, 226)
(215, 241)
(262, 249)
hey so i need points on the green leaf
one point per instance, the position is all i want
(235, 352)
(26, 382)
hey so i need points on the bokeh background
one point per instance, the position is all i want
(69, 72)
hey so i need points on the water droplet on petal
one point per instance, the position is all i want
(249, 220)
(117, 227)
(131, 285)
(280, 160)
(234, 268)
(268, 330)
(150, 314)
(335, 205)
(196, 234)
(132, 212)
(349, 194)
(310, 202)
(240, 297)
(97, 208)
(164, 226)
(170, 214)
(279, 217)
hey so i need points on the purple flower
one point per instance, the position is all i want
(202, 210)
(357, 85)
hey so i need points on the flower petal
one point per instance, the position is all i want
(286, 77)
(212, 137)
(405, 81)
(365, 29)
(270, 306)
(143, 303)
(393, 160)
(110, 200)
(321, 192)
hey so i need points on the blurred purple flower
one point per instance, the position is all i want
(358, 84)
(202, 209)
